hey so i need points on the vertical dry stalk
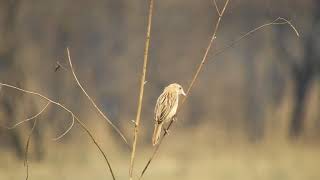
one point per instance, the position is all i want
(82, 125)
(26, 163)
(142, 83)
(213, 37)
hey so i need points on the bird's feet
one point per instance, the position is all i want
(174, 118)
(166, 131)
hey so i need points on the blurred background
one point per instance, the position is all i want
(252, 114)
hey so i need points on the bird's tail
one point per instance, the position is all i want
(156, 133)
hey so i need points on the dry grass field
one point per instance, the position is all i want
(179, 158)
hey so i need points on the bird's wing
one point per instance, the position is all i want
(164, 106)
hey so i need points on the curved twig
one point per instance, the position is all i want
(29, 119)
(274, 22)
(63, 134)
(92, 102)
(82, 125)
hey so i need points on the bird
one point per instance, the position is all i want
(166, 108)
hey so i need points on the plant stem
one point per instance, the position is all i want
(142, 83)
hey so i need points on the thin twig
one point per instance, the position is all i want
(214, 3)
(142, 83)
(27, 149)
(63, 134)
(92, 102)
(213, 37)
(156, 149)
(83, 126)
(274, 22)
(31, 118)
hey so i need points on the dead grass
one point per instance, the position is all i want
(235, 161)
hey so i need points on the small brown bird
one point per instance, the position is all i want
(166, 108)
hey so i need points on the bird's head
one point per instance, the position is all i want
(177, 88)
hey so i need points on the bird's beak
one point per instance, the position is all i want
(183, 93)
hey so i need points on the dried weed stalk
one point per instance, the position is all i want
(142, 83)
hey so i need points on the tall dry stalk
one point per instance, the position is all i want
(142, 83)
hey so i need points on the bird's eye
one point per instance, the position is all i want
(180, 88)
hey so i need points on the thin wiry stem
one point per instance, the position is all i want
(64, 133)
(214, 3)
(82, 125)
(278, 21)
(213, 37)
(92, 102)
(31, 118)
(142, 83)
(27, 149)
(156, 149)
(97, 145)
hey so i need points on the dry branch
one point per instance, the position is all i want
(65, 132)
(142, 83)
(31, 118)
(91, 100)
(27, 149)
(82, 125)
(29, 136)
(26, 163)
(214, 3)
(213, 37)
(278, 21)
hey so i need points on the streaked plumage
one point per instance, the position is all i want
(166, 108)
